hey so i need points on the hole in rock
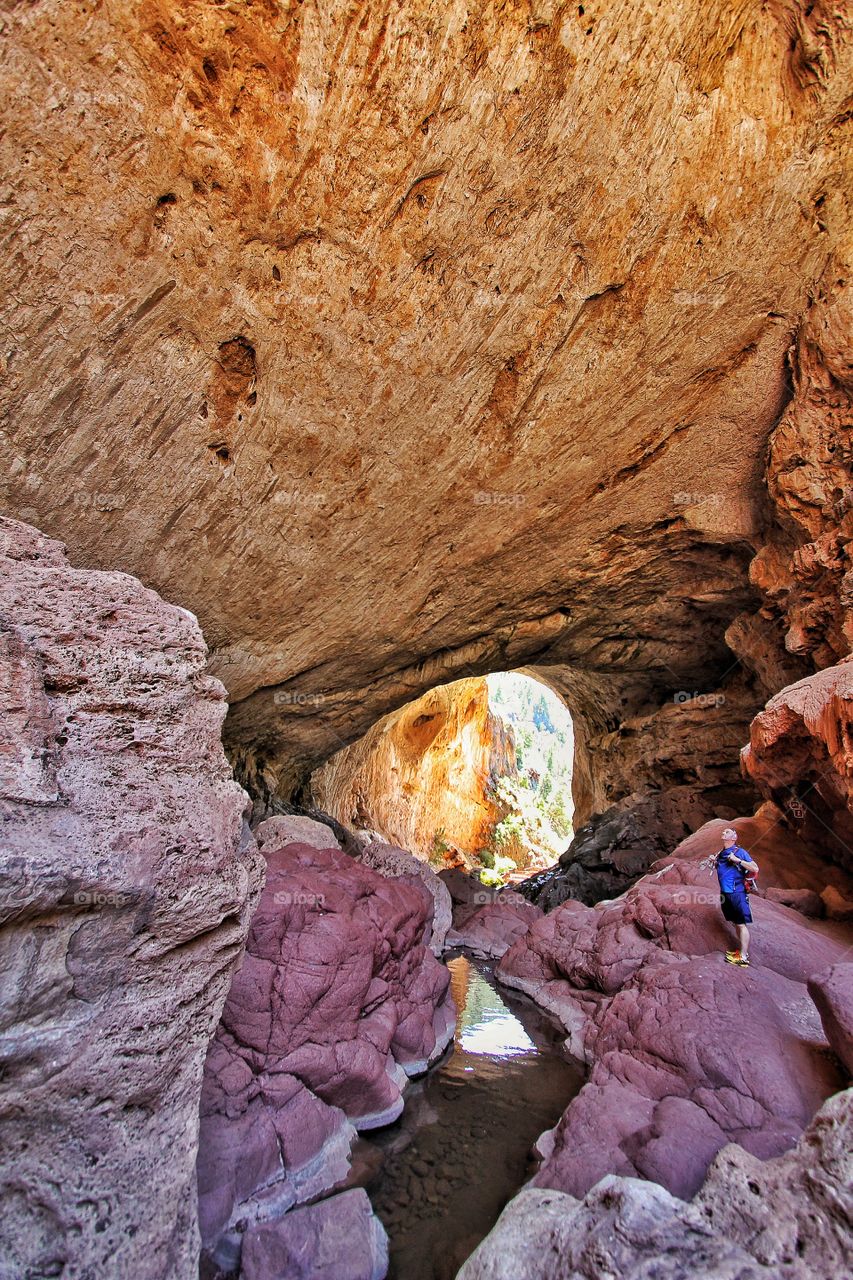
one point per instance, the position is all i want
(474, 775)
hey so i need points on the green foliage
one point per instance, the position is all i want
(536, 802)
(498, 874)
(440, 847)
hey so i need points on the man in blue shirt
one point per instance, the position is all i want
(733, 865)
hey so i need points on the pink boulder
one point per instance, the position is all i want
(491, 929)
(339, 999)
(337, 1239)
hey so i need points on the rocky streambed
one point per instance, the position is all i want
(464, 1144)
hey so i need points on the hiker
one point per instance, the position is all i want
(733, 866)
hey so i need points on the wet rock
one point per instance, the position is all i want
(337, 1239)
(832, 992)
(784, 1217)
(128, 875)
(492, 929)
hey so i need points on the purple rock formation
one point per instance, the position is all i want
(752, 1220)
(490, 930)
(337, 1239)
(832, 992)
(339, 999)
(687, 1053)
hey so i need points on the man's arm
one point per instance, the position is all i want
(745, 864)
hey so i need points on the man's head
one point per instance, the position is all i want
(729, 837)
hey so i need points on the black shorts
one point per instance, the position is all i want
(735, 907)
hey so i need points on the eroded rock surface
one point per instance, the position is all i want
(799, 756)
(394, 863)
(782, 1219)
(491, 929)
(338, 1239)
(424, 775)
(127, 877)
(832, 992)
(686, 1053)
(339, 999)
(803, 571)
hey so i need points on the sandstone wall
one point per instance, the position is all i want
(422, 775)
(803, 569)
(410, 344)
(128, 875)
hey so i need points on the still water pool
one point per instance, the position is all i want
(462, 1147)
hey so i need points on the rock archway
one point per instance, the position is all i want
(473, 770)
(430, 363)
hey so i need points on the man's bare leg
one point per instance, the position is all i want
(743, 939)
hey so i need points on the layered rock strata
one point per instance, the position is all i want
(128, 875)
(803, 570)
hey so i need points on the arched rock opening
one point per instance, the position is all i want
(471, 772)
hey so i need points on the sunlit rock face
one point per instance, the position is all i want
(127, 876)
(419, 342)
(423, 776)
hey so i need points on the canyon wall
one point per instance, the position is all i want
(127, 876)
(423, 776)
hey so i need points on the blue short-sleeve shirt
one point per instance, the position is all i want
(731, 878)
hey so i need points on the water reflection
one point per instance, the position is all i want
(462, 1147)
(485, 1025)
